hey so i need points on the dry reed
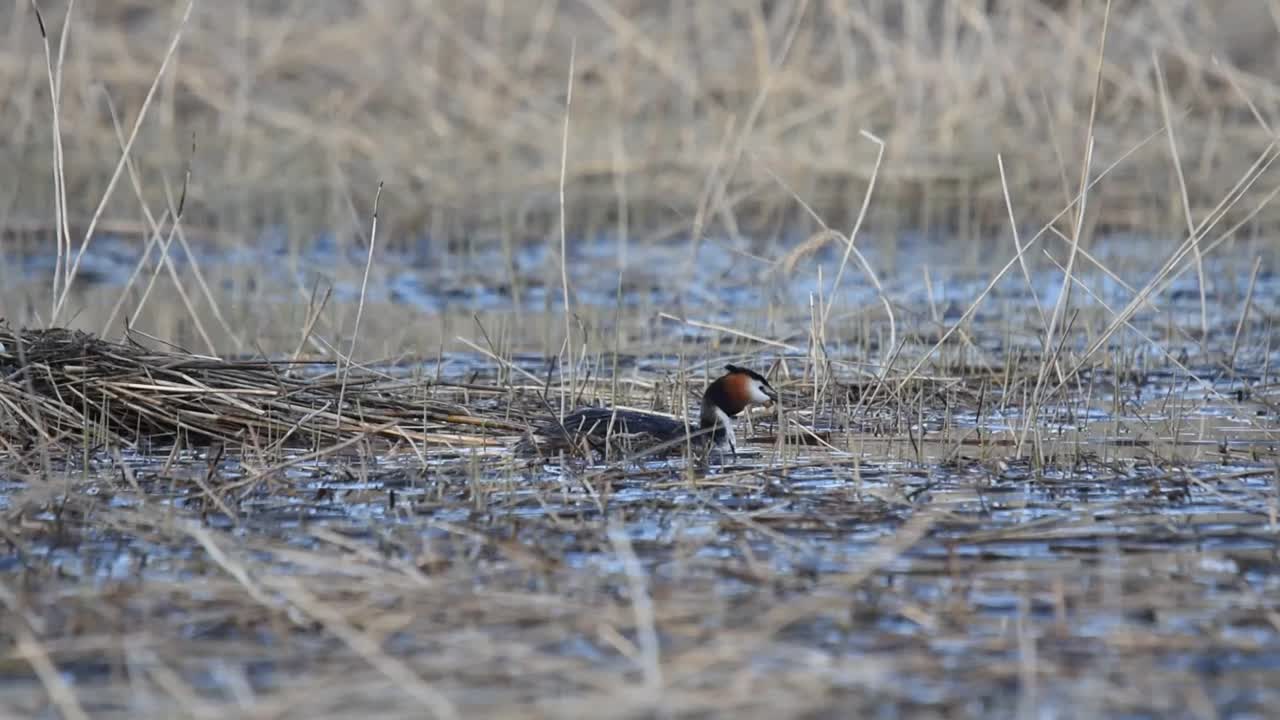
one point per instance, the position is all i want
(63, 383)
(355, 539)
(461, 108)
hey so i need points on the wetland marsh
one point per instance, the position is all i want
(259, 463)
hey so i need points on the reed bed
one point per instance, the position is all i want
(1050, 490)
(68, 388)
(900, 557)
(822, 581)
(718, 112)
(62, 385)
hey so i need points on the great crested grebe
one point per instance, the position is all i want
(595, 427)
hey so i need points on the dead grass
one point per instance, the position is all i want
(298, 110)
(865, 577)
(62, 385)
(963, 507)
(881, 547)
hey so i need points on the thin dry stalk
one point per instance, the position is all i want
(1169, 271)
(973, 306)
(642, 604)
(1244, 312)
(1183, 195)
(1017, 243)
(61, 229)
(366, 647)
(852, 239)
(59, 690)
(564, 242)
(364, 287)
(115, 175)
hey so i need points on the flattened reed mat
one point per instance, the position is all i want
(59, 385)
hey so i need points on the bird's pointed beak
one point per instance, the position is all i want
(771, 393)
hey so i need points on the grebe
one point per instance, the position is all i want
(592, 428)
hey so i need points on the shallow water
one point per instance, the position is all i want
(1085, 560)
(930, 280)
(937, 556)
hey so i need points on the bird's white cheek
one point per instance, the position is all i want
(757, 396)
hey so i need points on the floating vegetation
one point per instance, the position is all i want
(65, 385)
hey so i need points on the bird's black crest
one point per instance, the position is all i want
(748, 371)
